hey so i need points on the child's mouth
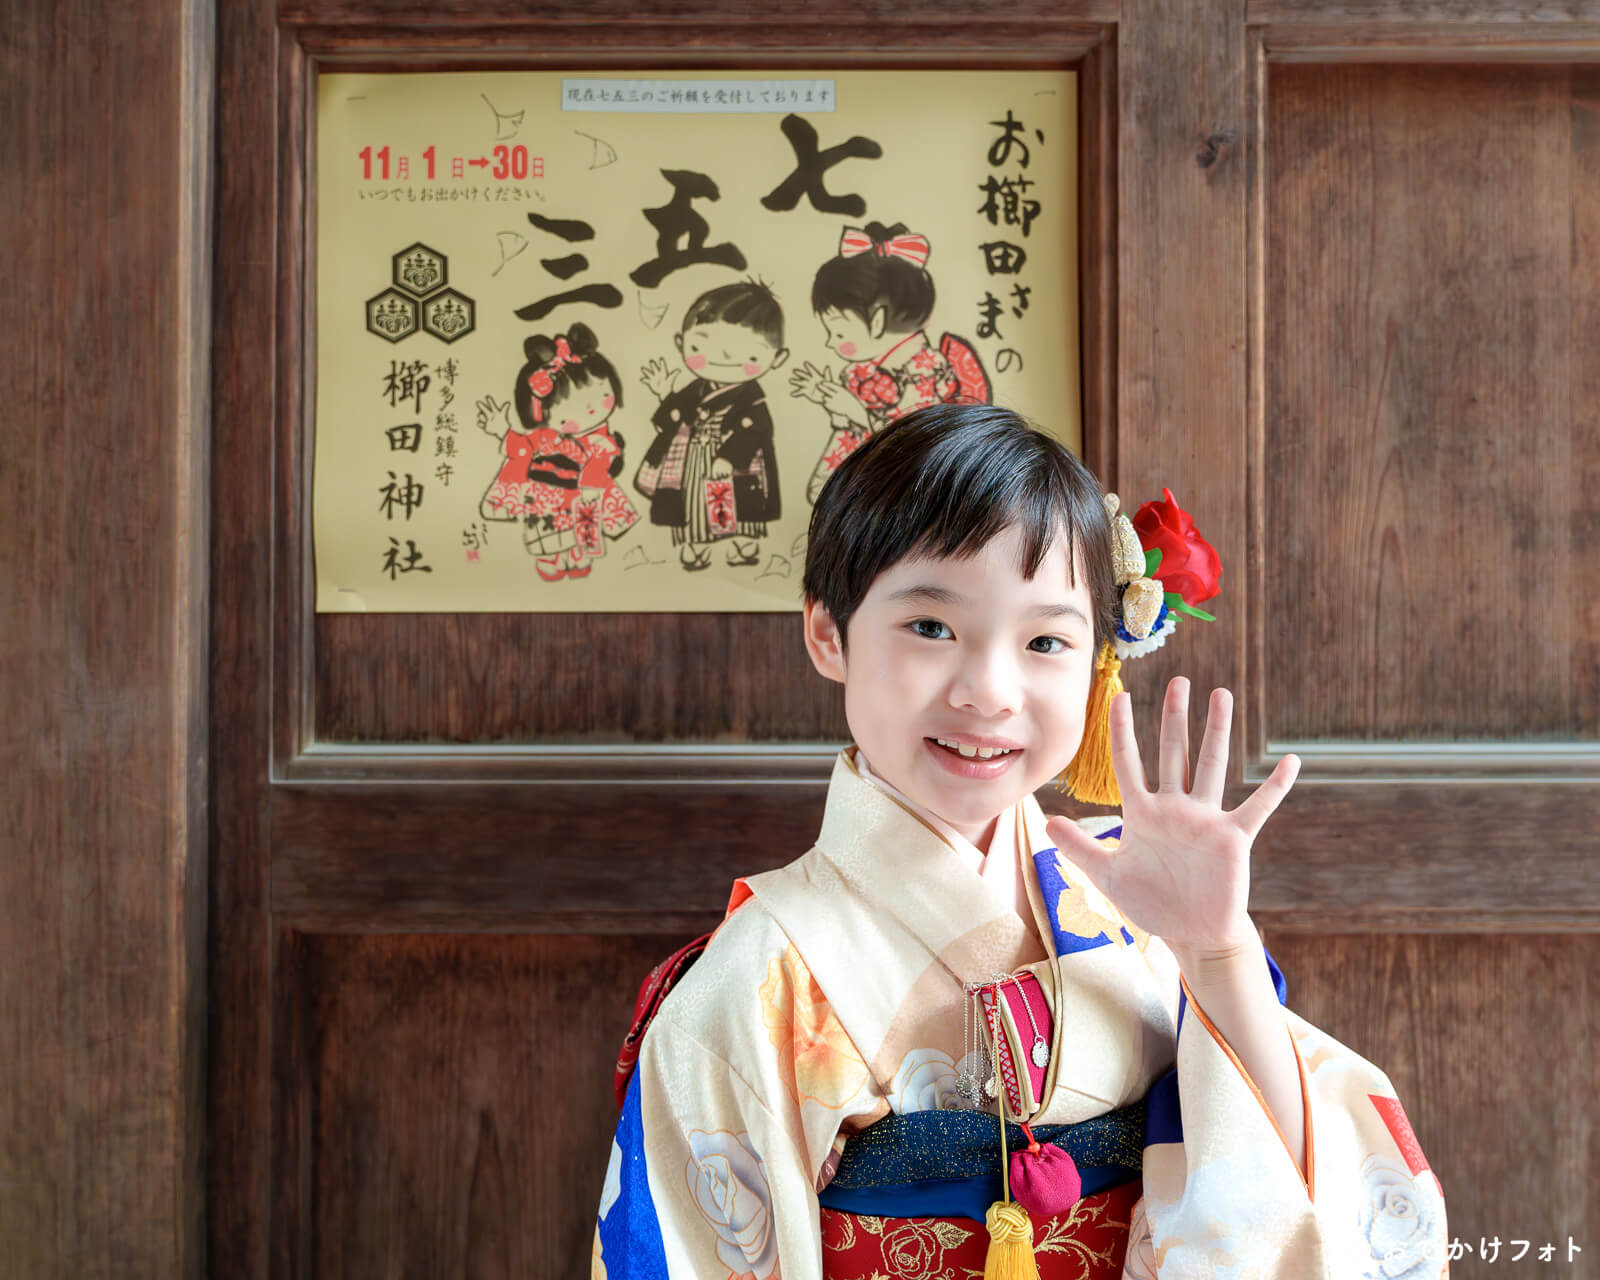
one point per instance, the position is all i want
(969, 761)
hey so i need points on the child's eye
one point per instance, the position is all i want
(930, 629)
(1056, 643)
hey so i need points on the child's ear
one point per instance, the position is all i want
(678, 338)
(782, 355)
(824, 641)
(879, 322)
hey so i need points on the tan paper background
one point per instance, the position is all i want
(936, 130)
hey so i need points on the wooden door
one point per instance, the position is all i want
(1334, 294)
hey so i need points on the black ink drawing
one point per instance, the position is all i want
(559, 458)
(873, 299)
(711, 472)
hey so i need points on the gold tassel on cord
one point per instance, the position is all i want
(1090, 777)
(1010, 1255)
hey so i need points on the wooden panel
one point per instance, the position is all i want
(491, 679)
(1182, 114)
(239, 1100)
(459, 1099)
(103, 520)
(1448, 14)
(802, 25)
(551, 678)
(1343, 856)
(1423, 522)
(1491, 1045)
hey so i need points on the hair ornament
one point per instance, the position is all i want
(1164, 568)
(542, 380)
(913, 248)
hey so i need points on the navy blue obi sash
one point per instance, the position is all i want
(945, 1164)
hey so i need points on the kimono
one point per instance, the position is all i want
(558, 515)
(912, 374)
(831, 997)
(694, 426)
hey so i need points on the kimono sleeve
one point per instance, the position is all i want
(706, 1180)
(1222, 1192)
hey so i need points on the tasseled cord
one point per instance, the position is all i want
(1010, 1255)
(1090, 777)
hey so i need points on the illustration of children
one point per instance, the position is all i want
(560, 459)
(711, 473)
(873, 299)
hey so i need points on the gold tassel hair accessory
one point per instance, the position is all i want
(1146, 614)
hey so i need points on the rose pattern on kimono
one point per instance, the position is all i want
(728, 1181)
(916, 1249)
(1403, 1220)
(1140, 1261)
(817, 1060)
(924, 1081)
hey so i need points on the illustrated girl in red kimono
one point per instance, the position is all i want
(559, 459)
(873, 299)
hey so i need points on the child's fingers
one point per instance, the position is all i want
(1125, 748)
(1263, 802)
(1211, 769)
(1174, 750)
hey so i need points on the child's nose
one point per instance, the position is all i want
(989, 683)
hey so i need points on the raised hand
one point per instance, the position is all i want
(811, 383)
(494, 417)
(1182, 868)
(660, 378)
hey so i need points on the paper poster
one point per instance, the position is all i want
(593, 343)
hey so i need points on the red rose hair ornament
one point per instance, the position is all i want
(1164, 567)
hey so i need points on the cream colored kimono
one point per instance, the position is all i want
(832, 995)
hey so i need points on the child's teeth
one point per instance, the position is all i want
(971, 753)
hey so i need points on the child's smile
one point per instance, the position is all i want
(723, 352)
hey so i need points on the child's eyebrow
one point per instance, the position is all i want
(927, 592)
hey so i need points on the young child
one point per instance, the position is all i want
(717, 429)
(559, 460)
(819, 1094)
(874, 298)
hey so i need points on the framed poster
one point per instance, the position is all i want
(593, 343)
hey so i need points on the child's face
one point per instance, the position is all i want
(970, 652)
(851, 337)
(721, 352)
(585, 409)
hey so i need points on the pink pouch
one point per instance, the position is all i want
(1044, 1178)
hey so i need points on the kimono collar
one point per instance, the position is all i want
(895, 851)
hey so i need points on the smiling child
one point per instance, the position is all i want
(824, 1092)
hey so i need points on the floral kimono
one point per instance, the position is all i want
(830, 1005)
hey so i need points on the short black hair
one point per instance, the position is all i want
(746, 303)
(943, 481)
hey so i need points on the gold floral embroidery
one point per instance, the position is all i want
(819, 1062)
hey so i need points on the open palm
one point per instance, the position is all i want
(1182, 867)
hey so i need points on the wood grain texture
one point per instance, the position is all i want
(1555, 17)
(1183, 122)
(1421, 443)
(106, 153)
(1491, 1045)
(459, 1099)
(239, 1100)
(1340, 856)
(812, 23)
